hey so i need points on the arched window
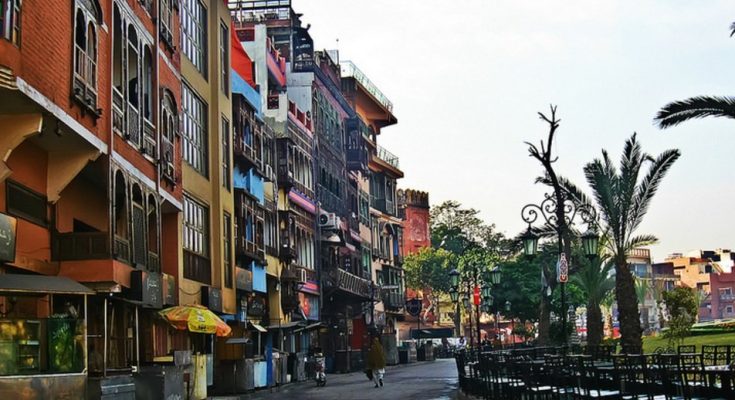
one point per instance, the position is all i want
(87, 16)
(133, 87)
(153, 263)
(168, 126)
(140, 254)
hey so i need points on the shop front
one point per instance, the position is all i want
(42, 337)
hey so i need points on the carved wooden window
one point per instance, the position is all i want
(84, 89)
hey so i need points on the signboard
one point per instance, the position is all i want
(562, 269)
(413, 307)
(256, 307)
(212, 298)
(8, 226)
(147, 287)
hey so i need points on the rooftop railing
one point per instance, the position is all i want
(349, 69)
(388, 157)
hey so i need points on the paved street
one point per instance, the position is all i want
(426, 381)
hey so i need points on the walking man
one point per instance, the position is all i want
(376, 362)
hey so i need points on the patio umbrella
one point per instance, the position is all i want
(195, 318)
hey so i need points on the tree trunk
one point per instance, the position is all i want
(595, 324)
(544, 320)
(628, 314)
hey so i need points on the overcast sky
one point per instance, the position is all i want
(467, 78)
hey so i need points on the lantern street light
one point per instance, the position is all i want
(559, 212)
(472, 280)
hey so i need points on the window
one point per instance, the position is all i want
(227, 243)
(226, 176)
(224, 58)
(196, 241)
(24, 203)
(10, 20)
(166, 29)
(194, 130)
(728, 310)
(84, 87)
(193, 29)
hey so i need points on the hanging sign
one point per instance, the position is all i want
(562, 269)
(476, 296)
(413, 307)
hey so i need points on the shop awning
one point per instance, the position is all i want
(258, 327)
(309, 327)
(287, 325)
(29, 285)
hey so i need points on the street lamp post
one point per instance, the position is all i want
(473, 282)
(559, 213)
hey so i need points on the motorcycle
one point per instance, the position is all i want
(319, 367)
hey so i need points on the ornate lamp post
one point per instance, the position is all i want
(560, 216)
(473, 282)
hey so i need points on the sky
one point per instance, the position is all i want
(467, 78)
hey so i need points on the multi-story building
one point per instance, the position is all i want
(377, 183)
(722, 296)
(653, 279)
(92, 189)
(693, 272)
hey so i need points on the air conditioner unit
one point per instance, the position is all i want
(301, 276)
(328, 220)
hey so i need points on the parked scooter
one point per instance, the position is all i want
(319, 367)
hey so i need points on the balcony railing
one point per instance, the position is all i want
(249, 249)
(82, 246)
(384, 205)
(349, 69)
(330, 202)
(133, 133)
(197, 267)
(392, 299)
(726, 297)
(343, 280)
(640, 253)
(389, 157)
(122, 249)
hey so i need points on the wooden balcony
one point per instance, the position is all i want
(339, 279)
(197, 268)
(250, 249)
(384, 205)
(79, 246)
(392, 299)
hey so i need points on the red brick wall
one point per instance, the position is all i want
(416, 230)
(44, 58)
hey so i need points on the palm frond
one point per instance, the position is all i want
(649, 185)
(603, 187)
(630, 166)
(732, 29)
(680, 111)
(641, 241)
(571, 191)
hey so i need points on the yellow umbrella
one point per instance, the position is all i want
(195, 318)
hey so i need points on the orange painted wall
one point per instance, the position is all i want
(85, 202)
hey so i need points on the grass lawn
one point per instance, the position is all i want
(651, 343)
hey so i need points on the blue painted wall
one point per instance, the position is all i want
(250, 181)
(259, 284)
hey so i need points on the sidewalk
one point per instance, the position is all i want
(332, 379)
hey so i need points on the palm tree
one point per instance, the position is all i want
(623, 199)
(596, 281)
(679, 111)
